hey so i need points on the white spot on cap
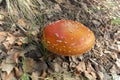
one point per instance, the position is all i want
(88, 35)
(74, 49)
(64, 50)
(69, 51)
(55, 44)
(72, 38)
(58, 40)
(62, 37)
(88, 30)
(83, 39)
(73, 44)
(60, 49)
(64, 46)
(48, 42)
(56, 34)
(65, 42)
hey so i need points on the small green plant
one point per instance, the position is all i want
(110, 4)
(25, 77)
(116, 21)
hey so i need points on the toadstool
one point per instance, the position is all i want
(67, 38)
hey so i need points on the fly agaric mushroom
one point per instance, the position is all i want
(68, 38)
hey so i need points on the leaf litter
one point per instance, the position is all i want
(20, 59)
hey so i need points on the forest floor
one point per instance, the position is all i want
(22, 56)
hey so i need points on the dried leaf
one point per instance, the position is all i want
(2, 17)
(28, 64)
(7, 67)
(8, 76)
(18, 72)
(81, 67)
(21, 22)
(90, 72)
(3, 36)
(44, 74)
(89, 76)
(16, 56)
(114, 70)
(8, 39)
(21, 40)
(101, 75)
(35, 76)
(118, 63)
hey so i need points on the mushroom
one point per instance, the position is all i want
(67, 38)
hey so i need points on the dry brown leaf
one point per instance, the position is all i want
(10, 38)
(21, 40)
(118, 63)
(16, 56)
(114, 70)
(3, 36)
(44, 74)
(2, 17)
(81, 67)
(89, 76)
(21, 22)
(18, 73)
(101, 75)
(8, 76)
(41, 66)
(90, 72)
(7, 67)
(28, 64)
(35, 76)
(57, 67)
(90, 68)
(8, 64)
(7, 39)
(60, 1)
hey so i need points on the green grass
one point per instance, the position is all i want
(25, 77)
(115, 21)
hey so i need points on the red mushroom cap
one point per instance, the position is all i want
(67, 37)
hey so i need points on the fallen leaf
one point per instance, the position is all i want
(35, 75)
(100, 75)
(41, 66)
(3, 36)
(28, 64)
(16, 56)
(8, 64)
(2, 17)
(21, 22)
(90, 72)
(118, 63)
(8, 39)
(21, 40)
(89, 76)
(7, 67)
(44, 74)
(81, 67)
(18, 73)
(8, 76)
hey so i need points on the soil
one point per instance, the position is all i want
(30, 61)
